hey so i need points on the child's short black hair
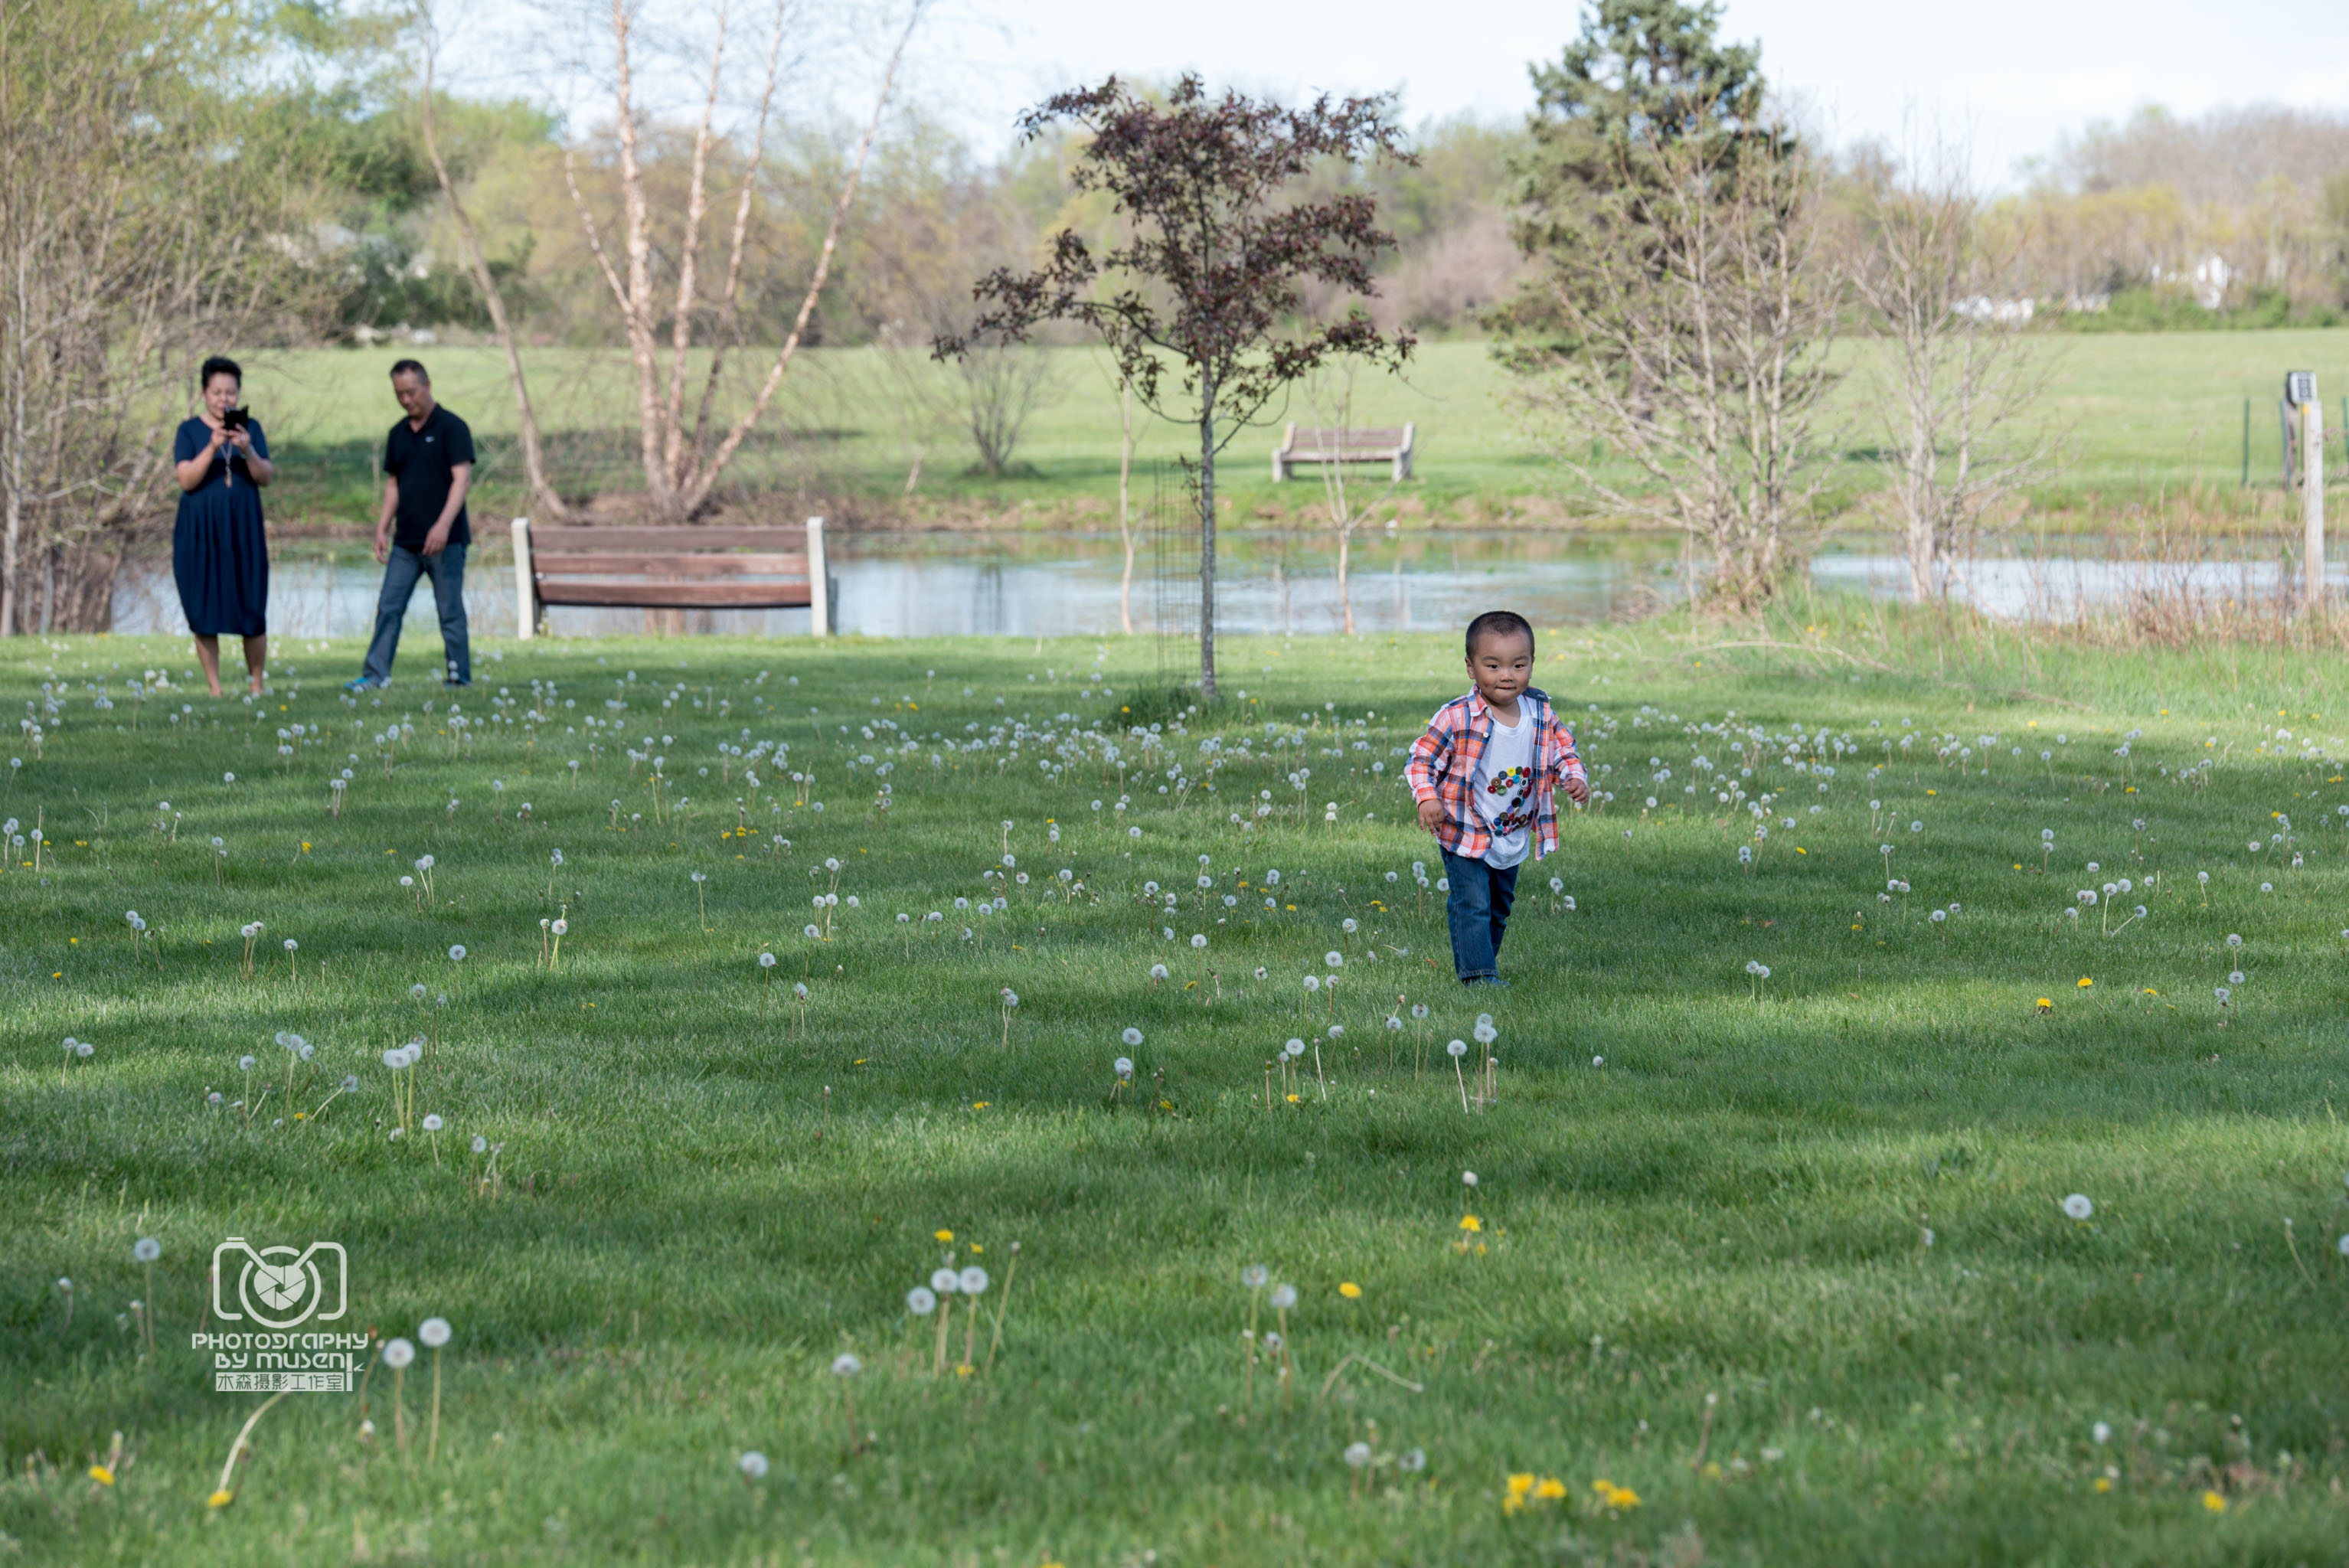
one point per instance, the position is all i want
(1499, 624)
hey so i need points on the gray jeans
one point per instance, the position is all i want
(447, 570)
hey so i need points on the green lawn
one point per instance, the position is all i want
(2147, 416)
(1785, 1258)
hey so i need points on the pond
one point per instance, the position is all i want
(936, 584)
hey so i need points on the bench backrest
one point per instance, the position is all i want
(1370, 441)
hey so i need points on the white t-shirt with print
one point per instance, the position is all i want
(1502, 788)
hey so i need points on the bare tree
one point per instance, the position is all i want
(1696, 305)
(544, 500)
(1330, 397)
(1003, 383)
(146, 219)
(681, 464)
(915, 395)
(1961, 381)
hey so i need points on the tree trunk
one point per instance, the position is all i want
(543, 498)
(1206, 539)
(1124, 501)
(1345, 599)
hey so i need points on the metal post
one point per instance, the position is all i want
(525, 584)
(2312, 499)
(819, 580)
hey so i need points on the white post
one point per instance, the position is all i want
(525, 586)
(819, 580)
(2312, 499)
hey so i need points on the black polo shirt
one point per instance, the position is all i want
(421, 460)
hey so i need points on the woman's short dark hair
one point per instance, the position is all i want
(220, 365)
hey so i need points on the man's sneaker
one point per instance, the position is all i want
(361, 684)
(1489, 980)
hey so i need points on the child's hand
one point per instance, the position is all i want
(1431, 814)
(1577, 791)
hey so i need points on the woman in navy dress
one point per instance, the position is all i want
(220, 555)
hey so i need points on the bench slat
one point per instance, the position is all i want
(557, 539)
(677, 595)
(548, 564)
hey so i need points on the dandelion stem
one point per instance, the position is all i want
(224, 1495)
(1002, 1306)
(432, 1447)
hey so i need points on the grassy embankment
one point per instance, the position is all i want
(2153, 421)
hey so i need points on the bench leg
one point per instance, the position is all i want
(819, 580)
(525, 583)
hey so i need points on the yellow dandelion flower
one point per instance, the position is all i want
(1349, 1290)
(1471, 1222)
(102, 1475)
(2103, 1483)
(220, 1499)
(2046, 1004)
(1520, 1484)
(942, 1236)
(1296, 1098)
(1622, 1497)
(2086, 981)
(1550, 1488)
(2214, 1502)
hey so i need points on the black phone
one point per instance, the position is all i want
(235, 419)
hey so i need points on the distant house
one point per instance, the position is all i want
(2210, 277)
(1991, 312)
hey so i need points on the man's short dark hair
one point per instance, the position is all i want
(1499, 624)
(220, 365)
(412, 368)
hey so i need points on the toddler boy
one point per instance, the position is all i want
(1485, 776)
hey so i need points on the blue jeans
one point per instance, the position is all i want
(447, 570)
(1477, 908)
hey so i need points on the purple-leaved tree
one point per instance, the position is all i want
(1207, 279)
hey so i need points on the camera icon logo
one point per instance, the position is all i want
(281, 1287)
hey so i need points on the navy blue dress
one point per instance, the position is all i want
(220, 554)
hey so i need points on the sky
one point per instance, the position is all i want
(2011, 77)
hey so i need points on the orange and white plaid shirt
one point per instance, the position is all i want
(1443, 769)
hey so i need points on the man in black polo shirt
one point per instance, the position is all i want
(427, 464)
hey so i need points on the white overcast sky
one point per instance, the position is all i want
(2012, 76)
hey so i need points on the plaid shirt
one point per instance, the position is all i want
(1442, 768)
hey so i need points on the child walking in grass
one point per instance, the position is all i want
(1485, 776)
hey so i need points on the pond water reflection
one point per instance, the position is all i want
(903, 585)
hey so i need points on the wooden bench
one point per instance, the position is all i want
(1389, 444)
(683, 568)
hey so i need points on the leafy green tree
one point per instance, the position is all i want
(1643, 76)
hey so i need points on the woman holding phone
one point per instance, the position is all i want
(220, 554)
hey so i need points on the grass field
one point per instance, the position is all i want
(2148, 415)
(1782, 1261)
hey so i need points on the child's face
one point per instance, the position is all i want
(1502, 667)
